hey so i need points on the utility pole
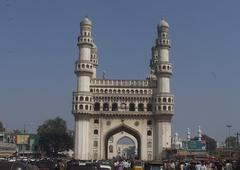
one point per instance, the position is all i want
(229, 132)
(237, 134)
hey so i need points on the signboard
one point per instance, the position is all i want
(194, 145)
(22, 139)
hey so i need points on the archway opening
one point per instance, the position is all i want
(123, 142)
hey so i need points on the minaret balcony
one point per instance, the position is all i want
(84, 67)
(164, 68)
(163, 42)
(164, 99)
(85, 40)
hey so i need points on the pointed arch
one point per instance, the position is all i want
(126, 129)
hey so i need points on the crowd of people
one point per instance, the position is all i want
(201, 165)
(123, 164)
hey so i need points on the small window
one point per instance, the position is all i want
(149, 107)
(131, 107)
(96, 121)
(96, 106)
(169, 99)
(164, 108)
(86, 98)
(149, 133)
(86, 107)
(164, 99)
(149, 122)
(95, 132)
(169, 108)
(114, 107)
(111, 149)
(81, 98)
(81, 107)
(140, 107)
(105, 107)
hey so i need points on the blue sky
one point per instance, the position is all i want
(38, 50)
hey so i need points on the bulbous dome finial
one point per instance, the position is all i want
(86, 21)
(163, 23)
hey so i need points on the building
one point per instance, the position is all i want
(27, 144)
(7, 145)
(105, 107)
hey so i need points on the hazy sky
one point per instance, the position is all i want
(38, 50)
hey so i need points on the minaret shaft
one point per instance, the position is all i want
(163, 97)
(82, 104)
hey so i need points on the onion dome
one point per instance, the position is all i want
(86, 21)
(163, 23)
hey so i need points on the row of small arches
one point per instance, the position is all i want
(149, 122)
(125, 99)
(89, 40)
(85, 33)
(122, 91)
(164, 35)
(164, 99)
(82, 98)
(123, 106)
(149, 132)
(164, 67)
(88, 66)
(82, 106)
(93, 55)
(159, 99)
(93, 61)
(115, 107)
(164, 41)
(164, 108)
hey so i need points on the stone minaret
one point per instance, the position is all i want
(163, 98)
(188, 134)
(199, 133)
(85, 70)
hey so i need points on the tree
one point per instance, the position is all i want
(16, 131)
(211, 143)
(53, 136)
(2, 129)
(231, 142)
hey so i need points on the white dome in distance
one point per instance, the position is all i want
(86, 21)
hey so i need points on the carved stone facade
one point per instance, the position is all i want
(104, 107)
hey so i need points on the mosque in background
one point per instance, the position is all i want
(108, 110)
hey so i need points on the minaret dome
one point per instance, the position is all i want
(86, 21)
(163, 23)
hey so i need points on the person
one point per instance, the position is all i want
(172, 165)
(198, 166)
(228, 165)
(116, 164)
(181, 166)
(120, 166)
(203, 166)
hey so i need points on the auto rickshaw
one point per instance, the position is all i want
(138, 165)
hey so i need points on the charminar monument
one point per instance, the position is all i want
(106, 110)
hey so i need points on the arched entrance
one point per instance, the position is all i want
(126, 148)
(123, 128)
